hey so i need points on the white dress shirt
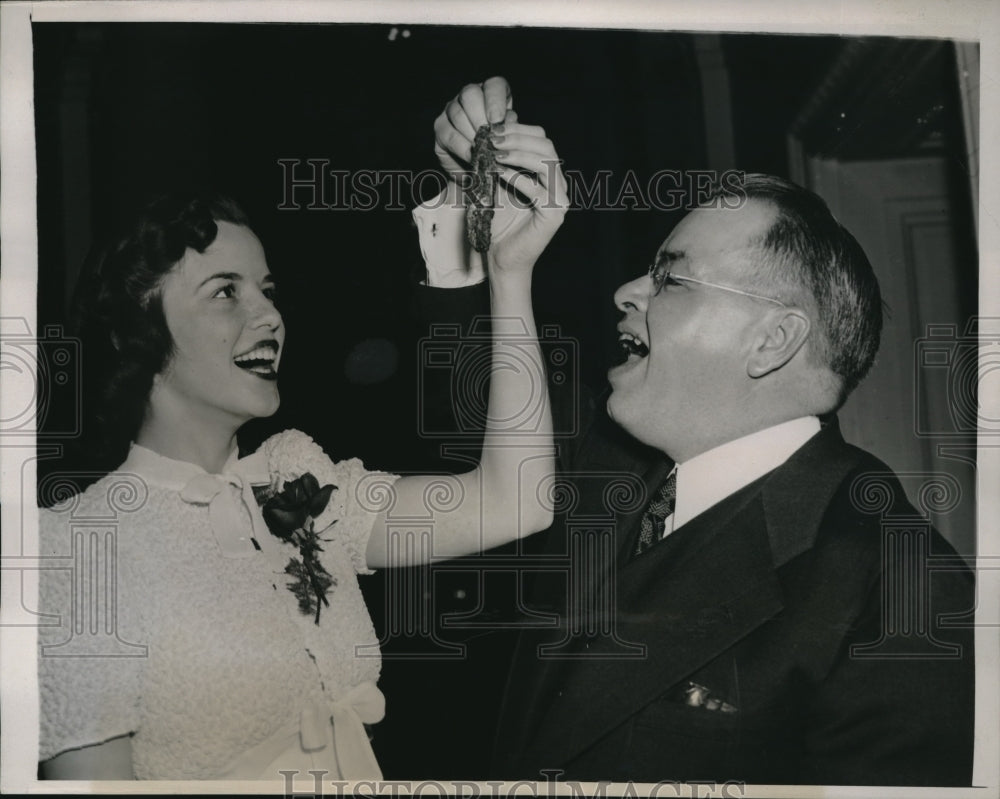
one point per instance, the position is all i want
(710, 477)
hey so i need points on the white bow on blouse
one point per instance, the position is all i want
(234, 514)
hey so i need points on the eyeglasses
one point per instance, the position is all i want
(661, 276)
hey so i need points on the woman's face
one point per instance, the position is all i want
(227, 333)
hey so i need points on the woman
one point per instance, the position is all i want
(242, 646)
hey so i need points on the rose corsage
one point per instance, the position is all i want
(290, 515)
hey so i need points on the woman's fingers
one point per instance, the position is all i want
(525, 156)
(512, 126)
(511, 142)
(526, 148)
(474, 106)
(496, 98)
(537, 178)
(448, 140)
(479, 104)
(462, 118)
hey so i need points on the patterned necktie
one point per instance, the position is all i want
(662, 506)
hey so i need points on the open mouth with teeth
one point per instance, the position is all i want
(631, 345)
(260, 361)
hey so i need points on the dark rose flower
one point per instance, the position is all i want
(289, 515)
(290, 509)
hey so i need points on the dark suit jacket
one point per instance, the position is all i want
(813, 603)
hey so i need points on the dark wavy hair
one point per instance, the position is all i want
(118, 308)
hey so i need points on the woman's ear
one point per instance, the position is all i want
(781, 336)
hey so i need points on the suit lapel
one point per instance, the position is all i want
(691, 597)
(686, 601)
(798, 494)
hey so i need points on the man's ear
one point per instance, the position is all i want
(780, 335)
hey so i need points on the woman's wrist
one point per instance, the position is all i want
(510, 296)
(510, 280)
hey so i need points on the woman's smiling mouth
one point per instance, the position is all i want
(260, 360)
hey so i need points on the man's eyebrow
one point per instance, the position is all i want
(668, 257)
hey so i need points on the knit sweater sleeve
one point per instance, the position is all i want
(354, 504)
(89, 675)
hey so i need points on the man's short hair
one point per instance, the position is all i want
(807, 249)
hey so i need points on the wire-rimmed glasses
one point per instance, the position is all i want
(661, 275)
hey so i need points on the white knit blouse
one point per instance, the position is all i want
(154, 628)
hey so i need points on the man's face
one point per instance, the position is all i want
(687, 345)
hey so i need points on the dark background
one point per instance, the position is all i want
(124, 111)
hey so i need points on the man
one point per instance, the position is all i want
(757, 622)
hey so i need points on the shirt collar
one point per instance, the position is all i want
(712, 476)
(174, 474)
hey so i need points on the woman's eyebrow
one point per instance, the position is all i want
(221, 276)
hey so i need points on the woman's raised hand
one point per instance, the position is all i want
(532, 198)
(455, 129)
(507, 495)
